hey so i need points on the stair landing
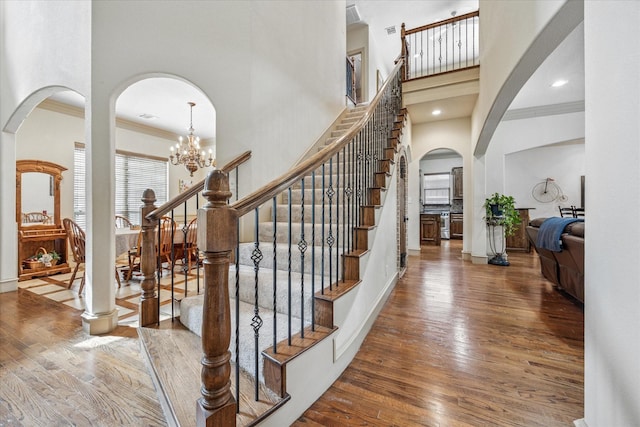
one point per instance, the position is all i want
(173, 355)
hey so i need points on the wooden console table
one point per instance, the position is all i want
(518, 242)
(29, 241)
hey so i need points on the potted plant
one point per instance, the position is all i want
(500, 211)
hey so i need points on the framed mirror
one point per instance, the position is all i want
(38, 194)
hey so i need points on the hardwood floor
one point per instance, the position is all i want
(53, 374)
(459, 344)
(456, 344)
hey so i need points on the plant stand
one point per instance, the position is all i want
(499, 258)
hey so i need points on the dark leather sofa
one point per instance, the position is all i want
(565, 268)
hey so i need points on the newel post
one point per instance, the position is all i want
(216, 238)
(404, 70)
(148, 313)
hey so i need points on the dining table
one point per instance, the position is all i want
(126, 239)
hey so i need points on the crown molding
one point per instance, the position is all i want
(544, 110)
(71, 110)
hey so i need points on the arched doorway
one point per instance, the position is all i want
(441, 190)
(402, 213)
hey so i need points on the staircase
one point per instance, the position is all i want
(314, 268)
(289, 209)
(284, 299)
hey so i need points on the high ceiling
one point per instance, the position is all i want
(566, 62)
(166, 99)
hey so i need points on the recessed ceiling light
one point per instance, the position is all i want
(436, 112)
(559, 83)
(147, 116)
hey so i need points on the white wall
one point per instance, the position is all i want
(612, 267)
(50, 135)
(37, 55)
(502, 73)
(516, 159)
(563, 163)
(429, 165)
(274, 93)
(359, 38)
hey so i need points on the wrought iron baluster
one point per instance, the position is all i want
(289, 241)
(347, 203)
(338, 269)
(237, 332)
(256, 321)
(313, 250)
(275, 278)
(330, 238)
(158, 266)
(302, 247)
(323, 226)
(198, 250)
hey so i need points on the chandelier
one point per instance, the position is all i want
(188, 151)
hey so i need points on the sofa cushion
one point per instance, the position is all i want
(576, 229)
(536, 222)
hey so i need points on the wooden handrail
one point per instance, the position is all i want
(275, 187)
(196, 188)
(441, 23)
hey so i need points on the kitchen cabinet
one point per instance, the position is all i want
(518, 242)
(456, 174)
(456, 225)
(430, 229)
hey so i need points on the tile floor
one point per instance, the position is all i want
(127, 296)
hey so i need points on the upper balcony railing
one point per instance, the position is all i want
(441, 47)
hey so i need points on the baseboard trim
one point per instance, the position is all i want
(97, 324)
(466, 256)
(365, 326)
(479, 259)
(9, 285)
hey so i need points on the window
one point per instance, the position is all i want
(134, 174)
(436, 189)
(79, 188)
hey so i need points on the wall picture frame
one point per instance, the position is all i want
(184, 185)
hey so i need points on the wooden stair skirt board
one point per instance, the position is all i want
(275, 373)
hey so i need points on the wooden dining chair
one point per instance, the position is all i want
(35, 218)
(163, 253)
(167, 231)
(77, 241)
(134, 257)
(122, 222)
(76, 238)
(191, 252)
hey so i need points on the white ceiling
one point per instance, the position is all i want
(166, 99)
(566, 62)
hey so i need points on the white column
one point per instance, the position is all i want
(100, 315)
(8, 226)
(478, 227)
(612, 193)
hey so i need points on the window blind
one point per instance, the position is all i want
(133, 174)
(436, 189)
(79, 188)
